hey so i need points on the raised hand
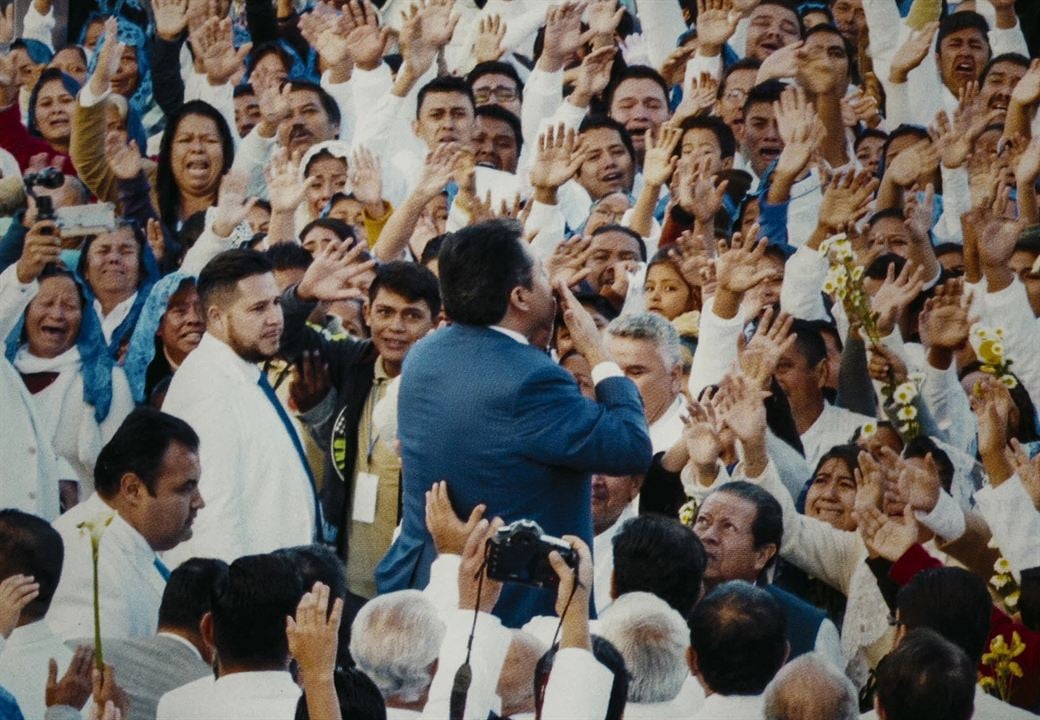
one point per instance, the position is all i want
(471, 567)
(912, 53)
(921, 486)
(313, 634)
(232, 203)
(593, 76)
(716, 23)
(860, 107)
(75, 685)
(568, 262)
(154, 236)
(919, 214)
(783, 63)
(562, 35)
(912, 163)
(603, 17)
(991, 403)
(572, 596)
(759, 356)
(895, 295)
(171, 17)
(107, 59)
(799, 128)
(329, 276)
(584, 334)
(427, 27)
(449, 533)
(959, 137)
(700, 193)
(366, 179)
(16, 592)
(219, 56)
(310, 381)
(739, 406)
(124, 158)
(274, 108)
(870, 483)
(886, 537)
(1027, 469)
(660, 159)
(944, 323)
(846, 200)
(106, 691)
(691, 259)
(42, 246)
(559, 156)
(438, 171)
(698, 99)
(738, 266)
(701, 433)
(1027, 90)
(285, 188)
(491, 31)
(366, 40)
(884, 365)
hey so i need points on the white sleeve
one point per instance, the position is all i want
(949, 406)
(884, 26)
(39, 27)
(365, 84)
(946, 519)
(897, 104)
(221, 97)
(543, 96)
(206, 247)
(699, 64)
(490, 644)
(662, 23)
(1009, 308)
(252, 154)
(443, 588)
(550, 225)
(1008, 40)
(579, 687)
(14, 298)
(1014, 522)
(828, 644)
(801, 292)
(956, 198)
(716, 349)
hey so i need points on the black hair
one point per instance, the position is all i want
(740, 636)
(411, 281)
(809, 342)
(850, 52)
(659, 555)
(344, 230)
(598, 122)
(222, 273)
(615, 227)
(445, 84)
(328, 103)
(496, 67)
(892, 213)
(271, 47)
(951, 601)
(714, 124)
(243, 89)
(866, 134)
(288, 256)
(30, 546)
(479, 267)
(747, 63)
(139, 446)
(165, 186)
(848, 454)
(920, 447)
(495, 112)
(904, 130)
(945, 248)
(432, 250)
(955, 22)
(249, 611)
(606, 655)
(188, 594)
(359, 697)
(636, 72)
(765, 92)
(810, 7)
(768, 525)
(926, 678)
(1014, 58)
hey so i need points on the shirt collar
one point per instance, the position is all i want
(224, 356)
(182, 641)
(510, 333)
(120, 310)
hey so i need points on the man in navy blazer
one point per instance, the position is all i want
(483, 407)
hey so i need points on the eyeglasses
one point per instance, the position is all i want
(502, 94)
(735, 95)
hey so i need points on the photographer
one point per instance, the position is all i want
(60, 190)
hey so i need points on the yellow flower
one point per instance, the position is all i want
(999, 581)
(991, 352)
(987, 683)
(1002, 565)
(1009, 381)
(1012, 599)
(907, 413)
(857, 272)
(988, 369)
(1015, 669)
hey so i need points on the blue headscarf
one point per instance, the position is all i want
(142, 343)
(142, 102)
(47, 76)
(97, 363)
(37, 51)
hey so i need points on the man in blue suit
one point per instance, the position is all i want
(483, 406)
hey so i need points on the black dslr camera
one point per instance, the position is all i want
(519, 553)
(50, 178)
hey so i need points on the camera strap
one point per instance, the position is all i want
(566, 606)
(464, 675)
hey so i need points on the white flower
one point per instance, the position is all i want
(998, 332)
(905, 393)
(868, 430)
(829, 287)
(844, 252)
(907, 413)
(1009, 381)
(857, 273)
(1002, 565)
(1012, 599)
(999, 581)
(904, 429)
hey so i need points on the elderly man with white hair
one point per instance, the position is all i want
(653, 639)
(810, 687)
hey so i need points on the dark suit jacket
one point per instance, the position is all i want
(803, 620)
(506, 426)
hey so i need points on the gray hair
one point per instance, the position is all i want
(516, 681)
(810, 687)
(394, 640)
(653, 638)
(652, 327)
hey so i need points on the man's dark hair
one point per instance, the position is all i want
(765, 92)
(188, 594)
(606, 655)
(955, 22)
(768, 525)
(432, 250)
(926, 678)
(714, 124)
(328, 103)
(952, 602)
(747, 63)
(787, 5)
(809, 342)
(249, 611)
(1014, 58)
(444, 84)
(344, 230)
(262, 50)
(867, 134)
(740, 636)
(496, 68)
(288, 256)
(411, 281)
(659, 555)
(479, 267)
(598, 122)
(615, 227)
(30, 546)
(359, 697)
(921, 446)
(243, 89)
(496, 112)
(139, 446)
(886, 214)
(636, 72)
(223, 273)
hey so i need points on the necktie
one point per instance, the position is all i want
(287, 423)
(161, 567)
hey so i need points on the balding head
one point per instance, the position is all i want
(809, 687)
(516, 683)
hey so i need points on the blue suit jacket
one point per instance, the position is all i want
(504, 425)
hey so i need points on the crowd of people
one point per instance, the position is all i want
(551, 359)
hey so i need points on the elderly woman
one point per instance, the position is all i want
(55, 344)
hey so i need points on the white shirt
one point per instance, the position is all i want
(666, 430)
(30, 466)
(130, 584)
(603, 559)
(578, 687)
(834, 426)
(731, 707)
(257, 493)
(23, 665)
(110, 322)
(267, 695)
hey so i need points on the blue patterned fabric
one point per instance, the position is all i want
(142, 343)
